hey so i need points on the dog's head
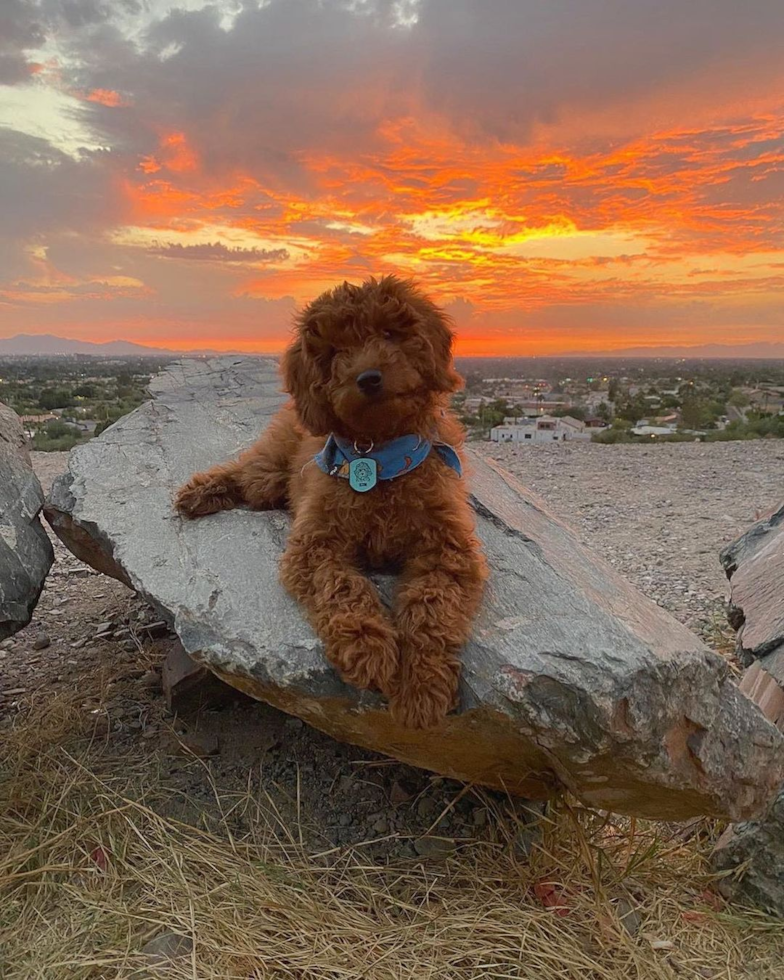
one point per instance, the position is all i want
(371, 361)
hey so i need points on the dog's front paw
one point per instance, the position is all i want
(365, 654)
(204, 494)
(425, 691)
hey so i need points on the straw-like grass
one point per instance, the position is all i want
(91, 868)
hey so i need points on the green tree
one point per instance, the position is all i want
(738, 399)
(55, 398)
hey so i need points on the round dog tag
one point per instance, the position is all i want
(362, 474)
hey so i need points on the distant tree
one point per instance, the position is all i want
(698, 413)
(86, 391)
(738, 399)
(603, 412)
(55, 398)
(612, 391)
(631, 409)
(494, 413)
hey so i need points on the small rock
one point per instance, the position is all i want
(104, 627)
(166, 947)
(479, 817)
(427, 808)
(78, 644)
(434, 848)
(294, 724)
(201, 744)
(150, 681)
(41, 642)
(381, 826)
(629, 915)
(399, 793)
(526, 839)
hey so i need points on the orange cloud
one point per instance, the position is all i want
(107, 97)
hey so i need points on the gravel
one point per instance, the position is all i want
(660, 514)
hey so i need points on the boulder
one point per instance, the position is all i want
(572, 678)
(26, 553)
(755, 566)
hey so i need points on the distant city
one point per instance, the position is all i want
(612, 400)
(66, 399)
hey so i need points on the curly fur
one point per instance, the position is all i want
(420, 523)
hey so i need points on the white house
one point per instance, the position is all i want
(643, 429)
(545, 428)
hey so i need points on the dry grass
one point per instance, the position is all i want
(91, 869)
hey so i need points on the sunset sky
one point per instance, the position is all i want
(562, 175)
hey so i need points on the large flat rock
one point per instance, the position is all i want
(572, 678)
(26, 553)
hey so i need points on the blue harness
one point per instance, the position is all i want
(364, 468)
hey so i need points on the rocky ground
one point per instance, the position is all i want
(659, 514)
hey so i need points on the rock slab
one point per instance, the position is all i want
(572, 678)
(755, 566)
(26, 553)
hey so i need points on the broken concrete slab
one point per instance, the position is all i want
(26, 553)
(572, 678)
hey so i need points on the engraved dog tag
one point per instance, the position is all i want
(362, 474)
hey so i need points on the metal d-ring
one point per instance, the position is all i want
(363, 452)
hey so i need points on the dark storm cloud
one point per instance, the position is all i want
(496, 67)
(44, 189)
(20, 32)
(293, 76)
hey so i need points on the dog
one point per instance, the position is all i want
(364, 457)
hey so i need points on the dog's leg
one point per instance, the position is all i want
(439, 594)
(343, 605)
(257, 478)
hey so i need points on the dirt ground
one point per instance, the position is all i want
(659, 514)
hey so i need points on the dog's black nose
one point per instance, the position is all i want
(370, 382)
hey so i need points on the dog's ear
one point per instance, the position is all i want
(445, 378)
(303, 380)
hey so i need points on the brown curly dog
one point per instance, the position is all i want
(371, 368)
